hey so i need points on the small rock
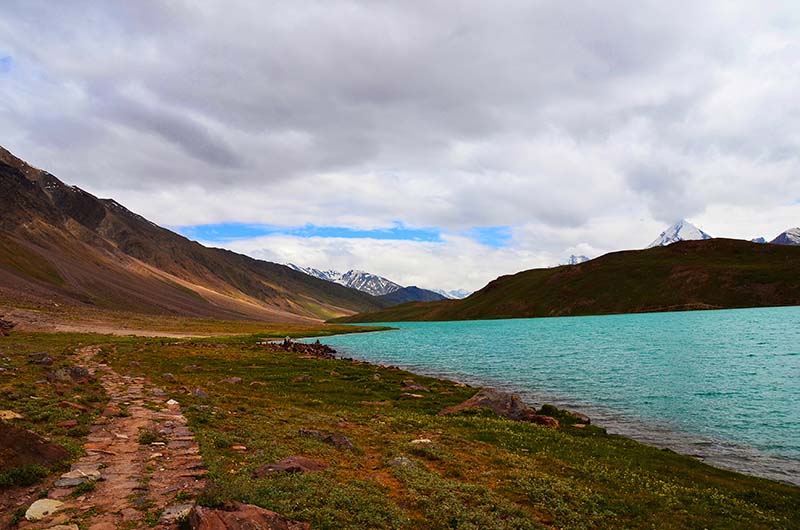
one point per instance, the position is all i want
(79, 373)
(58, 376)
(236, 516)
(155, 455)
(421, 441)
(178, 511)
(199, 393)
(339, 441)
(547, 421)
(191, 368)
(301, 378)
(134, 364)
(111, 411)
(293, 464)
(172, 402)
(258, 383)
(502, 403)
(413, 385)
(239, 448)
(69, 404)
(64, 526)
(67, 424)
(9, 415)
(42, 508)
(401, 461)
(168, 377)
(232, 381)
(157, 392)
(407, 395)
(376, 377)
(41, 358)
(119, 436)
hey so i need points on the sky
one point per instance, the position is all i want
(436, 143)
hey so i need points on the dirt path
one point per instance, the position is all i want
(139, 485)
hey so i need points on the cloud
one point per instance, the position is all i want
(577, 125)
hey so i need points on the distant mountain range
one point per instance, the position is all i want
(385, 290)
(683, 230)
(575, 260)
(456, 294)
(701, 274)
(355, 279)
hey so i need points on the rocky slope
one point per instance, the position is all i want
(63, 247)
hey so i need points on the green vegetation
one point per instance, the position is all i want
(712, 274)
(479, 471)
(27, 262)
(26, 475)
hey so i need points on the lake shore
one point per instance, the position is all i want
(250, 405)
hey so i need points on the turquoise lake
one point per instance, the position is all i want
(720, 385)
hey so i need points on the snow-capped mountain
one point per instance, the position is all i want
(683, 230)
(575, 260)
(455, 294)
(789, 237)
(360, 280)
(758, 240)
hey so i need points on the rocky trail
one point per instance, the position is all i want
(142, 467)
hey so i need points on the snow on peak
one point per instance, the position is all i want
(683, 230)
(455, 294)
(575, 260)
(355, 279)
(789, 237)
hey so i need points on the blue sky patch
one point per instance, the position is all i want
(491, 236)
(5, 63)
(233, 231)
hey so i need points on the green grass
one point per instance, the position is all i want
(712, 274)
(481, 471)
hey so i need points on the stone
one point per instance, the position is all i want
(191, 368)
(168, 377)
(413, 385)
(547, 421)
(67, 424)
(580, 418)
(258, 383)
(40, 358)
(58, 376)
(238, 448)
(178, 511)
(79, 373)
(111, 410)
(71, 405)
(421, 441)
(9, 415)
(42, 508)
(407, 395)
(338, 440)
(501, 403)
(401, 461)
(232, 381)
(64, 527)
(172, 402)
(20, 447)
(5, 327)
(237, 516)
(292, 464)
(199, 393)
(302, 379)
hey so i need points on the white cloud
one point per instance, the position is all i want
(584, 126)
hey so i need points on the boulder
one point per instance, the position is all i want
(547, 421)
(501, 403)
(19, 447)
(293, 464)
(237, 516)
(42, 508)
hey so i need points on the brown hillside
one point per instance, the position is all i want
(60, 245)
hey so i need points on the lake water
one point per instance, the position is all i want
(720, 385)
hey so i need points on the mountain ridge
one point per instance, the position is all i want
(62, 245)
(700, 274)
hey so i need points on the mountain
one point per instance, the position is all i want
(575, 260)
(63, 247)
(789, 237)
(360, 280)
(759, 240)
(707, 274)
(410, 294)
(683, 230)
(455, 294)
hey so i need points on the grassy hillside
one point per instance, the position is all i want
(711, 274)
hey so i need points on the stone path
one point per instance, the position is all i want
(134, 483)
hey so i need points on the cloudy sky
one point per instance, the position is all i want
(438, 143)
